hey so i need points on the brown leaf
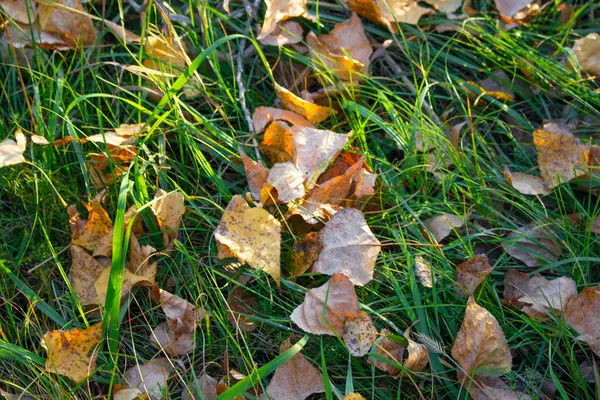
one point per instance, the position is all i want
(582, 314)
(561, 157)
(510, 8)
(493, 388)
(164, 54)
(104, 245)
(295, 379)
(515, 283)
(241, 301)
(423, 272)
(470, 274)
(390, 11)
(288, 181)
(71, 353)
(176, 335)
(168, 209)
(23, 37)
(349, 247)
(11, 152)
(264, 115)
(67, 20)
(391, 350)
(311, 111)
(341, 164)
(22, 11)
(89, 233)
(359, 334)
(480, 346)
(445, 6)
(130, 280)
(288, 32)
(442, 225)
(208, 387)
(325, 309)
(526, 183)
(306, 252)
(146, 379)
(256, 174)
(124, 35)
(587, 53)
(418, 356)
(252, 235)
(530, 243)
(84, 273)
(278, 144)
(343, 51)
(279, 11)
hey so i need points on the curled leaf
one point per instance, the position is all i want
(256, 174)
(263, 116)
(278, 143)
(168, 209)
(390, 11)
(418, 356)
(470, 274)
(279, 11)
(311, 111)
(423, 272)
(11, 151)
(288, 181)
(359, 334)
(90, 233)
(390, 349)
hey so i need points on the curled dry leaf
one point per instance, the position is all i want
(83, 274)
(441, 226)
(423, 272)
(343, 51)
(390, 349)
(306, 252)
(587, 52)
(359, 334)
(37, 139)
(70, 353)
(104, 246)
(295, 379)
(340, 165)
(418, 356)
(480, 346)
(22, 11)
(348, 247)
(263, 116)
(561, 157)
(124, 134)
(67, 20)
(288, 180)
(278, 143)
(288, 32)
(124, 35)
(530, 243)
(145, 380)
(582, 314)
(90, 233)
(241, 301)
(325, 309)
(11, 151)
(279, 11)
(168, 209)
(252, 235)
(256, 174)
(311, 111)
(527, 183)
(470, 274)
(390, 11)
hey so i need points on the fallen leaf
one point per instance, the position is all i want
(423, 272)
(515, 284)
(390, 11)
(561, 157)
(89, 233)
(364, 184)
(442, 225)
(37, 139)
(279, 11)
(582, 314)
(11, 152)
(349, 247)
(104, 245)
(146, 379)
(252, 235)
(587, 53)
(168, 209)
(176, 335)
(278, 144)
(418, 356)
(530, 244)
(123, 135)
(208, 388)
(241, 301)
(263, 116)
(343, 51)
(359, 334)
(526, 183)
(71, 353)
(67, 20)
(119, 31)
(22, 11)
(493, 388)
(288, 32)
(311, 111)
(306, 252)
(325, 309)
(295, 379)
(24, 37)
(340, 165)
(139, 258)
(470, 274)
(256, 174)
(163, 54)
(390, 349)
(130, 280)
(480, 346)
(353, 396)
(288, 181)
(510, 8)
(445, 6)
(83, 274)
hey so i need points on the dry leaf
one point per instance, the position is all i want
(510, 8)
(388, 12)
(530, 243)
(423, 272)
(587, 53)
(37, 139)
(364, 184)
(168, 209)
(561, 157)
(480, 346)
(391, 350)
(470, 274)
(146, 379)
(349, 247)
(71, 353)
(91, 233)
(288, 32)
(176, 335)
(123, 135)
(526, 183)
(264, 115)
(84, 272)
(279, 11)
(67, 20)
(515, 284)
(241, 301)
(22, 11)
(306, 252)
(441, 226)
(130, 280)
(139, 258)
(418, 356)
(124, 35)
(163, 53)
(11, 152)
(288, 181)
(208, 387)
(311, 111)
(256, 174)
(445, 6)
(325, 309)
(353, 396)
(295, 379)
(340, 165)
(252, 235)
(493, 388)
(582, 314)
(359, 334)
(343, 51)
(104, 245)
(278, 143)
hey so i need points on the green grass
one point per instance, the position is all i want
(192, 146)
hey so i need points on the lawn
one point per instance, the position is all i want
(441, 111)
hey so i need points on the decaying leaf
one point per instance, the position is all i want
(510, 8)
(442, 225)
(295, 379)
(70, 353)
(241, 301)
(587, 52)
(263, 116)
(418, 356)
(278, 144)
(423, 272)
(256, 174)
(124, 134)
(168, 209)
(561, 157)
(530, 244)
(480, 347)
(306, 252)
(445, 6)
(582, 314)
(124, 35)
(67, 20)
(11, 151)
(22, 11)
(288, 180)
(389, 12)
(208, 387)
(162, 53)
(349, 247)
(279, 11)
(353, 396)
(325, 309)
(104, 245)
(344, 161)
(470, 274)
(83, 274)
(252, 235)
(311, 111)
(527, 183)
(288, 32)
(139, 258)
(391, 350)
(145, 380)
(343, 51)
(130, 280)
(90, 233)
(515, 284)
(493, 388)
(359, 334)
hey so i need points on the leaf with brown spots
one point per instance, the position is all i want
(582, 314)
(85, 271)
(279, 11)
(71, 353)
(326, 309)
(89, 233)
(561, 157)
(311, 111)
(387, 12)
(306, 252)
(168, 209)
(263, 116)
(67, 20)
(359, 334)
(145, 380)
(470, 274)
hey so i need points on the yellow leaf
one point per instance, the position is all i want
(263, 116)
(279, 11)
(387, 12)
(90, 233)
(587, 52)
(84, 273)
(11, 152)
(311, 111)
(129, 281)
(163, 54)
(306, 252)
(168, 209)
(278, 144)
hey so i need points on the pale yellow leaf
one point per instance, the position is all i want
(288, 181)
(526, 183)
(442, 225)
(11, 152)
(279, 11)
(389, 12)
(168, 209)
